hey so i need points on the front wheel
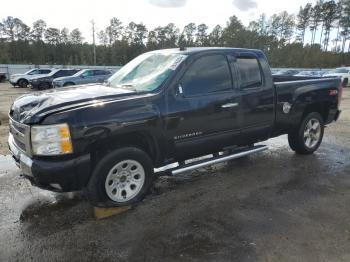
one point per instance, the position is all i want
(123, 177)
(23, 83)
(308, 137)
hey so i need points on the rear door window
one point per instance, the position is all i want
(208, 74)
(249, 72)
(101, 72)
(44, 71)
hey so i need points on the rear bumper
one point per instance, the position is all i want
(337, 114)
(60, 175)
(333, 116)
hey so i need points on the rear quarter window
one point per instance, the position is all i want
(249, 72)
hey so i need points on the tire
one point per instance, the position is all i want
(113, 183)
(308, 137)
(23, 83)
(68, 84)
(44, 86)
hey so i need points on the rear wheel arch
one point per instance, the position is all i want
(320, 107)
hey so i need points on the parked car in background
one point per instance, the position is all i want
(22, 80)
(2, 76)
(342, 72)
(287, 72)
(45, 82)
(86, 76)
(309, 73)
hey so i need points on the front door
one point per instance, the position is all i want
(203, 112)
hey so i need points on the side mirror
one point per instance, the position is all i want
(345, 82)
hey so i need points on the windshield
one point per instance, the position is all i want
(31, 72)
(146, 72)
(341, 70)
(53, 72)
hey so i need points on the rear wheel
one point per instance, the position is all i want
(122, 177)
(23, 83)
(308, 137)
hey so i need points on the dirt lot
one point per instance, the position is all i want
(7, 95)
(273, 206)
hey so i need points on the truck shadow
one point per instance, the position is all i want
(48, 212)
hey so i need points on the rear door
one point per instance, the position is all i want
(202, 113)
(101, 75)
(87, 77)
(257, 96)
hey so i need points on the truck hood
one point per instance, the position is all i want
(31, 108)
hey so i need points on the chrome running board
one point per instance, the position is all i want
(215, 159)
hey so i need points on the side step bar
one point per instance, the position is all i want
(216, 159)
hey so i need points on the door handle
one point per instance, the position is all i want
(229, 105)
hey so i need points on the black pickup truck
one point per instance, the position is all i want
(158, 112)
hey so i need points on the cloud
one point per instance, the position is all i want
(168, 3)
(245, 5)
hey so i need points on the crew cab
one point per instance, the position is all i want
(159, 111)
(45, 82)
(22, 80)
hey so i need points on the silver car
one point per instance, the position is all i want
(86, 76)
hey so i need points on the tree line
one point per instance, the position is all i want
(289, 40)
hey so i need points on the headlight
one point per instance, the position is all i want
(51, 140)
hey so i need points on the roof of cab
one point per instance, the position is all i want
(194, 50)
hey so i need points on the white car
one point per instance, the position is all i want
(342, 72)
(22, 80)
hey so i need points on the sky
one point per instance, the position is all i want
(78, 13)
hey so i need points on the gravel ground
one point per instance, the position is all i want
(272, 206)
(7, 95)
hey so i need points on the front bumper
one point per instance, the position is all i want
(60, 175)
(57, 84)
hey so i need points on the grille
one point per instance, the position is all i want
(20, 134)
(21, 145)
